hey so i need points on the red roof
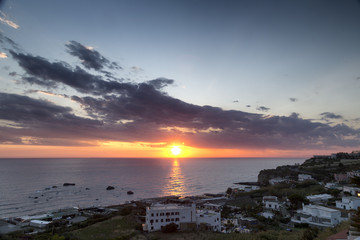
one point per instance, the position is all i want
(339, 236)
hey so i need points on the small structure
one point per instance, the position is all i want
(332, 185)
(39, 223)
(319, 198)
(158, 216)
(341, 177)
(304, 177)
(211, 218)
(271, 202)
(348, 203)
(274, 181)
(352, 190)
(318, 216)
(248, 188)
(268, 215)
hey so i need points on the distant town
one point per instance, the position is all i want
(318, 199)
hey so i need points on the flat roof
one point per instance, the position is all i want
(168, 207)
(321, 208)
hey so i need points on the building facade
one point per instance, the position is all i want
(348, 203)
(158, 216)
(319, 216)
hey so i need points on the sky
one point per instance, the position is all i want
(133, 78)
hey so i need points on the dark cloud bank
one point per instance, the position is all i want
(126, 111)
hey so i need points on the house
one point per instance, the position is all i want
(319, 198)
(353, 174)
(157, 216)
(348, 203)
(211, 218)
(341, 177)
(268, 215)
(332, 185)
(248, 188)
(318, 216)
(304, 177)
(271, 202)
(39, 223)
(352, 190)
(274, 181)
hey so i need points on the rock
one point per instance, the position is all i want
(68, 184)
(54, 186)
(130, 192)
(87, 188)
(110, 188)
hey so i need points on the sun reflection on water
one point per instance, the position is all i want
(176, 180)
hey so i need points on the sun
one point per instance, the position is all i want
(175, 150)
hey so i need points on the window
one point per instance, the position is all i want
(177, 219)
(152, 228)
(162, 214)
(177, 213)
(157, 214)
(167, 220)
(162, 220)
(156, 220)
(152, 214)
(172, 213)
(172, 219)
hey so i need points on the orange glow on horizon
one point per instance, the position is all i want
(147, 150)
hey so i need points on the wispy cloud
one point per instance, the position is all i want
(4, 19)
(3, 55)
(262, 108)
(293, 99)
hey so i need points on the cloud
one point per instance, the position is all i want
(160, 82)
(329, 115)
(90, 58)
(262, 108)
(143, 112)
(293, 99)
(3, 55)
(248, 106)
(4, 19)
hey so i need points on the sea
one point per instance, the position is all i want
(30, 186)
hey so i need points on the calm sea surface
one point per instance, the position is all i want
(30, 186)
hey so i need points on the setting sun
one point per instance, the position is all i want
(175, 150)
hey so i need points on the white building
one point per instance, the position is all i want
(304, 177)
(39, 223)
(268, 215)
(352, 190)
(271, 202)
(317, 216)
(158, 216)
(319, 198)
(274, 181)
(248, 188)
(348, 203)
(210, 218)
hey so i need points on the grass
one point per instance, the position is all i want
(119, 227)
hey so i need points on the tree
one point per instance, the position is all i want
(229, 191)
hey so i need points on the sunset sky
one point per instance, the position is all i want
(133, 78)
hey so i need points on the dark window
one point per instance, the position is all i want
(176, 219)
(152, 214)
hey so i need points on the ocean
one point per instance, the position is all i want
(29, 186)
